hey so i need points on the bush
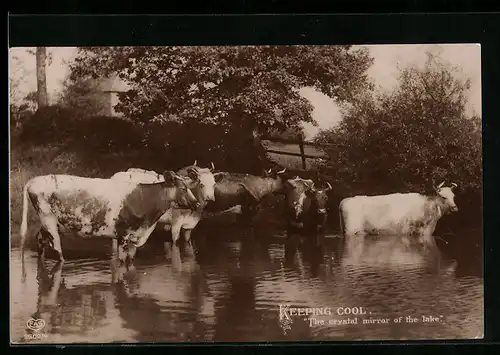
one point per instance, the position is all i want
(51, 124)
(409, 141)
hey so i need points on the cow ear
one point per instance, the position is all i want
(193, 174)
(290, 184)
(218, 177)
(309, 184)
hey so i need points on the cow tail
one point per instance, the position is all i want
(341, 220)
(24, 222)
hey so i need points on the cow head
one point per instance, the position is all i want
(218, 175)
(178, 190)
(319, 199)
(447, 196)
(297, 189)
(277, 178)
(204, 181)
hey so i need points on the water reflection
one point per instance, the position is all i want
(232, 291)
(393, 252)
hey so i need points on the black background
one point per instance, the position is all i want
(239, 29)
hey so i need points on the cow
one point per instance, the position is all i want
(137, 174)
(180, 219)
(198, 177)
(247, 191)
(305, 206)
(397, 214)
(93, 207)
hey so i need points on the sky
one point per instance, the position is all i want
(384, 71)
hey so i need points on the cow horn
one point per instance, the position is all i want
(195, 162)
(440, 185)
(329, 186)
(212, 164)
(269, 171)
(282, 171)
(453, 185)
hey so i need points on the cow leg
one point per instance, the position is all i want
(122, 250)
(189, 245)
(131, 251)
(176, 231)
(114, 247)
(167, 246)
(49, 223)
(289, 232)
(249, 212)
(42, 240)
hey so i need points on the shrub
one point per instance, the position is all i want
(51, 124)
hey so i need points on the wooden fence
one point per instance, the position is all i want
(301, 143)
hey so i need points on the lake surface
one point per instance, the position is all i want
(232, 291)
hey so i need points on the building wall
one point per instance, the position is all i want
(113, 100)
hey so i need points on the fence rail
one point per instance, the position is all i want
(301, 143)
(297, 141)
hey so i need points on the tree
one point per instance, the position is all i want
(83, 97)
(41, 77)
(254, 87)
(411, 138)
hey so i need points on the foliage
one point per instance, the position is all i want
(21, 112)
(50, 124)
(110, 144)
(410, 139)
(255, 87)
(83, 97)
(21, 106)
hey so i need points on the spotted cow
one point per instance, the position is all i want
(123, 210)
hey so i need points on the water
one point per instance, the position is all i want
(233, 289)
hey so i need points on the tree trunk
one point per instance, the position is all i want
(41, 77)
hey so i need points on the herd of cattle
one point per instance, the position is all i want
(128, 206)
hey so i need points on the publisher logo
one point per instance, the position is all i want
(35, 324)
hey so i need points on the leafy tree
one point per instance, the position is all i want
(255, 87)
(83, 97)
(408, 139)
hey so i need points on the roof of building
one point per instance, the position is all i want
(113, 84)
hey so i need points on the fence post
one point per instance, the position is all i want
(302, 153)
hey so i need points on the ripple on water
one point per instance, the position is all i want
(233, 292)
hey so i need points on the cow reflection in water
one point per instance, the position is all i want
(147, 307)
(392, 252)
(161, 301)
(310, 251)
(70, 310)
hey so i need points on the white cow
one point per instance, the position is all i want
(396, 214)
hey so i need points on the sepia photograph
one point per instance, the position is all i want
(278, 193)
